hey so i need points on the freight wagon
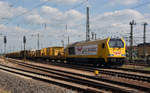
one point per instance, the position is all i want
(140, 51)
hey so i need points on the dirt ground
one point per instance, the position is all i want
(18, 84)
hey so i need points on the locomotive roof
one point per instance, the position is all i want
(56, 47)
(86, 42)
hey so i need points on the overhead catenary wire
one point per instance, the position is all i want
(67, 9)
(140, 5)
(79, 5)
(74, 7)
(134, 7)
(20, 15)
(17, 16)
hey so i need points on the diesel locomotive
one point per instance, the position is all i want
(110, 51)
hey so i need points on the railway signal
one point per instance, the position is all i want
(5, 42)
(93, 35)
(131, 40)
(24, 41)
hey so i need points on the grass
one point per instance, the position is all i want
(133, 67)
(147, 68)
(136, 67)
(3, 91)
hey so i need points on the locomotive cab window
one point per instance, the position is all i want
(71, 51)
(116, 43)
(103, 45)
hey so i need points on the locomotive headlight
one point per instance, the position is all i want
(123, 54)
(111, 55)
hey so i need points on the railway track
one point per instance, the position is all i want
(140, 75)
(88, 79)
(43, 77)
(91, 68)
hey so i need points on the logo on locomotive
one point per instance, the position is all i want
(86, 50)
(117, 53)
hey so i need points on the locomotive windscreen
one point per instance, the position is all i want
(116, 43)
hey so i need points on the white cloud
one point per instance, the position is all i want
(112, 24)
(50, 10)
(8, 11)
(12, 29)
(109, 24)
(73, 14)
(4, 10)
(122, 16)
(56, 21)
(53, 13)
(148, 6)
(123, 2)
(35, 19)
(54, 16)
(64, 1)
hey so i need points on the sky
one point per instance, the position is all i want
(48, 18)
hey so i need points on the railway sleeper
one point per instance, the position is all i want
(80, 81)
(134, 86)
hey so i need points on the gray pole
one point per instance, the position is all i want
(144, 41)
(68, 40)
(131, 41)
(92, 35)
(38, 41)
(45, 25)
(87, 26)
(68, 34)
(95, 36)
(24, 41)
(62, 41)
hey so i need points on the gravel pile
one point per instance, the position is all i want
(17, 84)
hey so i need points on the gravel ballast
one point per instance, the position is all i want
(18, 84)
